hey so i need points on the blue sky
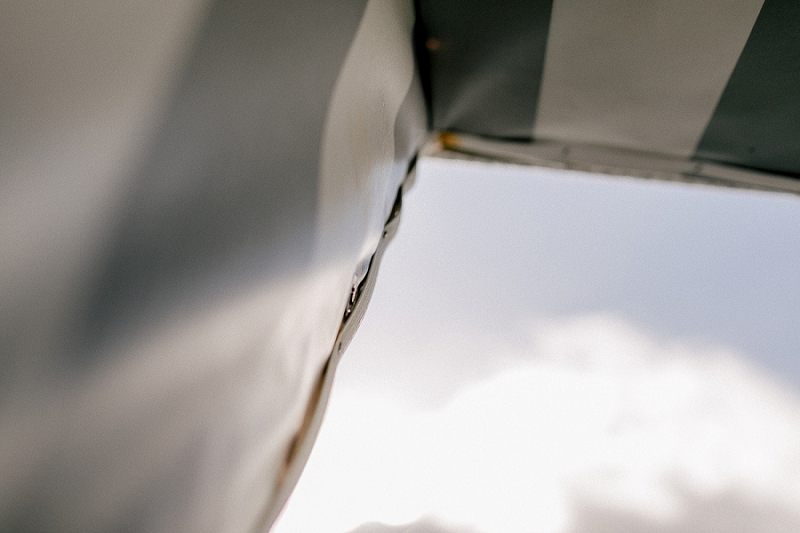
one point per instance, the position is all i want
(487, 244)
(681, 298)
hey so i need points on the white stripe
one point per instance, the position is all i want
(358, 143)
(639, 75)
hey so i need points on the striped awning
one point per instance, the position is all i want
(687, 80)
(195, 196)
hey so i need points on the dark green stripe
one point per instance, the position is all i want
(486, 61)
(757, 121)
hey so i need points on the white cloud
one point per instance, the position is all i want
(598, 417)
